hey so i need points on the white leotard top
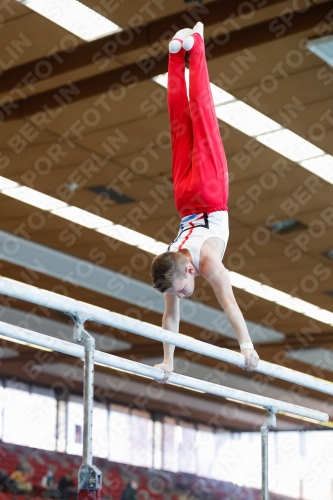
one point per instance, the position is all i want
(195, 229)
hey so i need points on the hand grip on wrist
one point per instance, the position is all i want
(246, 345)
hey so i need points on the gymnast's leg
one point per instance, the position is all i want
(180, 117)
(209, 164)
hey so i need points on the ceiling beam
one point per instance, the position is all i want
(112, 46)
(140, 71)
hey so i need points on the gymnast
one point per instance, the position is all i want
(200, 177)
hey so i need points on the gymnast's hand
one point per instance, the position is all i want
(251, 359)
(167, 368)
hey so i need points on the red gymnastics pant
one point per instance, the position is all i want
(199, 165)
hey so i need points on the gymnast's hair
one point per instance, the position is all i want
(166, 268)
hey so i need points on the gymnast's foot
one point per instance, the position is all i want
(189, 41)
(176, 43)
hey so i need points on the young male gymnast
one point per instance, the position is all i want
(200, 177)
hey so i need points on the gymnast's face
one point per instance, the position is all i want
(184, 287)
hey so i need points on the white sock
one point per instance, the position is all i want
(176, 45)
(199, 28)
(184, 33)
(189, 41)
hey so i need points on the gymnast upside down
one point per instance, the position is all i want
(200, 177)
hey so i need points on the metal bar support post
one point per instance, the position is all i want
(90, 478)
(270, 422)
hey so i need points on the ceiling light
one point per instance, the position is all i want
(319, 314)
(299, 305)
(7, 183)
(161, 79)
(321, 166)
(34, 198)
(323, 48)
(220, 96)
(73, 16)
(246, 119)
(122, 233)
(290, 145)
(155, 247)
(283, 299)
(82, 217)
(127, 235)
(255, 288)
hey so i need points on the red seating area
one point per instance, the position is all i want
(153, 485)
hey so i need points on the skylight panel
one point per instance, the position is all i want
(321, 166)
(256, 288)
(220, 96)
(290, 145)
(7, 183)
(161, 79)
(283, 299)
(299, 305)
(319, 314)
(73, 16)
(131, 237)
(123, 233)
(246, 119)
(82, 217)
(322, 47)
(33, 197)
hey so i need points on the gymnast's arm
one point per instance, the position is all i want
(170, 321)
(214, 271)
